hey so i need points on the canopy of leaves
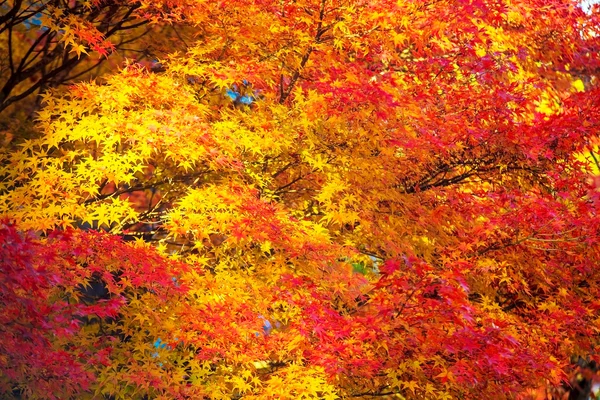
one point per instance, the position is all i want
(327, 199)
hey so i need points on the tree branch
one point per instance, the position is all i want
(285, 94)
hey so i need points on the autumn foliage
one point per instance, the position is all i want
(300, 199)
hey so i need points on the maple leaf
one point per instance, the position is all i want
(398, 199)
